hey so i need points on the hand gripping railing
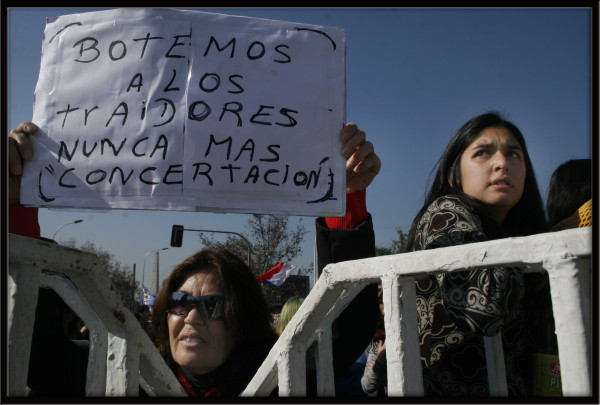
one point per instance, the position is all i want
(566, 255)
(121, 355)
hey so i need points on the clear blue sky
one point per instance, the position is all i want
(414, 76)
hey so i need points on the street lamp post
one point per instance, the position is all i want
(63, 225)
(144, 266)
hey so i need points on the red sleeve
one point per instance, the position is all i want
(23, 221)
(356, 211)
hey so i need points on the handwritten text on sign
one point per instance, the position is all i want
(170, 109)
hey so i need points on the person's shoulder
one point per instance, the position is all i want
(451, 202)
(449, 220)
(579, 219)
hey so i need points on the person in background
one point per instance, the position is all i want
(484, 188)
(374, 379)
(569, 203)
(287, 312)
(143, 316)
(348, 385)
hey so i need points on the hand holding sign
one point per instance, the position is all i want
(362, 164)
(19, 150)
(183, 110)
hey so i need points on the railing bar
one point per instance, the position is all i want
(22, 295)
(292, 372)
(528, 252)
(324, 364)
(146, 387)
(123, 362)
(391, 306)
(405, 377)
(132, 359)
(96, 371)
(570, 288)
(494, 355)
(347, 294)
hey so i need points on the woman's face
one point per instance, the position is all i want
(198, 344)
(492, 169)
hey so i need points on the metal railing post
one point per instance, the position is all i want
(570, 288)
(405, 377)
(291, 367)
(22, 295)
(324, 364)
(494, 356)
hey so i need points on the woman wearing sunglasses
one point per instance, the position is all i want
(212, 325)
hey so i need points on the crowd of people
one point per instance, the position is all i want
(212, 324)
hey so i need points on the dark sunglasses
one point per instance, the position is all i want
(208, 306)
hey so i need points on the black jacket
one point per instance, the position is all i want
(355, 327)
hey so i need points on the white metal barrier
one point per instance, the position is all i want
(566, 255)
(122, 356)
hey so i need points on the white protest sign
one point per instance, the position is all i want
(185, 110)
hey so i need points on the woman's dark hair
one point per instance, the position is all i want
(247, 315)
(525, 218)
(570, 188)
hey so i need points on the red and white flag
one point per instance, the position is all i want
(277, 275)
